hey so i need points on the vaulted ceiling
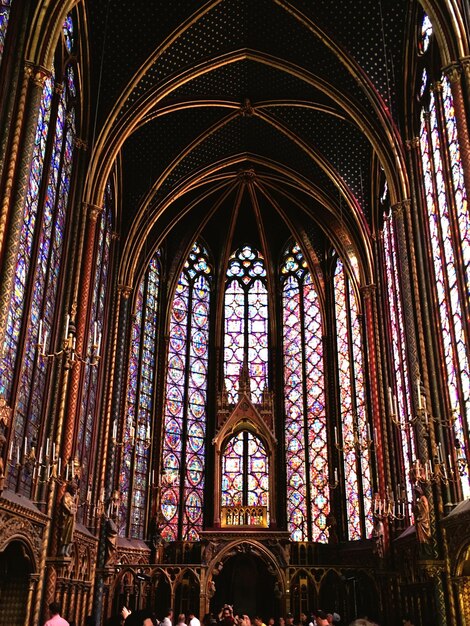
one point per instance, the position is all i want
(248, 120)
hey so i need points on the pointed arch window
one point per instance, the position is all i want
(184, 431)
(448, 238)
(5, 8)
(306, 435)
(133, 479)
(245, 471)
(246, 323)
(89, 398)
(36, 283)
(399, 395)
(354, 430)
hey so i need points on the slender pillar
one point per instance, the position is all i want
(118, 397)
(86, 271)
(454, 74)
(16, 189)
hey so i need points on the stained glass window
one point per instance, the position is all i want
(184, 429)
(137, 436)
(5, 7)
(306, 437)
(36, 279)
(446, 248)
(245, 471)
(246, 323)
(426, 34)
(355, 431)
(399, 395)
(88, 406)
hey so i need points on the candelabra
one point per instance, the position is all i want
(129, 436)
(69, 345)
(354, 440)
(322, 480)
(388, 507)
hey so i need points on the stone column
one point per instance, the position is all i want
(118, 403)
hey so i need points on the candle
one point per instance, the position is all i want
(114, 431)
(18, 455)
(10, 456)
(53, 451)
(418, 390)
(66, 471)
(67, 323)
(40, 455)
(336, 435)
(368, 432)
(390, 401)
(44, 341)
(450, 464)
(60, 460)
(439, 452)
(98, 347)
(40, 333)
(336, 475)
(395, 407)
(25, 446)
(47, 447)
(95, 334)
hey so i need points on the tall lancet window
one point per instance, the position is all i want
(245, 471)
(306, 437)
(246, 323)
(448, 236)
(5, 8)
(399, 393)
(89, 400)
(184, 431)
(133, 480)
(23, 373)
(355, 431)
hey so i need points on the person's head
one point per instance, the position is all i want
(191, 614)
(289, 619)
(181, 618)
(321, 618)
(54, 608)
(169, 613)
(258, 621)
(226, 612)
(282, 621)
(271, 621)
(303, 618)
(329, 617)
(407, 621)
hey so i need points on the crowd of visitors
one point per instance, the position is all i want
(226, 617)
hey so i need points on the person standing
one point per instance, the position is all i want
(56, 619)
(193, 620)
(166, 621)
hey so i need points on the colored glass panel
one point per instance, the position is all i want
(89, 399)
(426, 34)
(245, 472)
(184, 431)
(402, 394)
(447, 291)
(356, 456)
(15, 314)
(5, 7)
(306, 438)
(246, 323)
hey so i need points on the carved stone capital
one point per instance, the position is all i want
(453, 72)
(465, 63)
(94, 212)
(36, 74)
(246, 175)
(125, 291)
(400, 207)
(412, 144)
(368, 290)
(437, 86)
(80, 144)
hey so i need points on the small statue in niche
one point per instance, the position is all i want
(331, 525)
(111, 533)
(421, 514)
(67, 512)
(378, 536)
